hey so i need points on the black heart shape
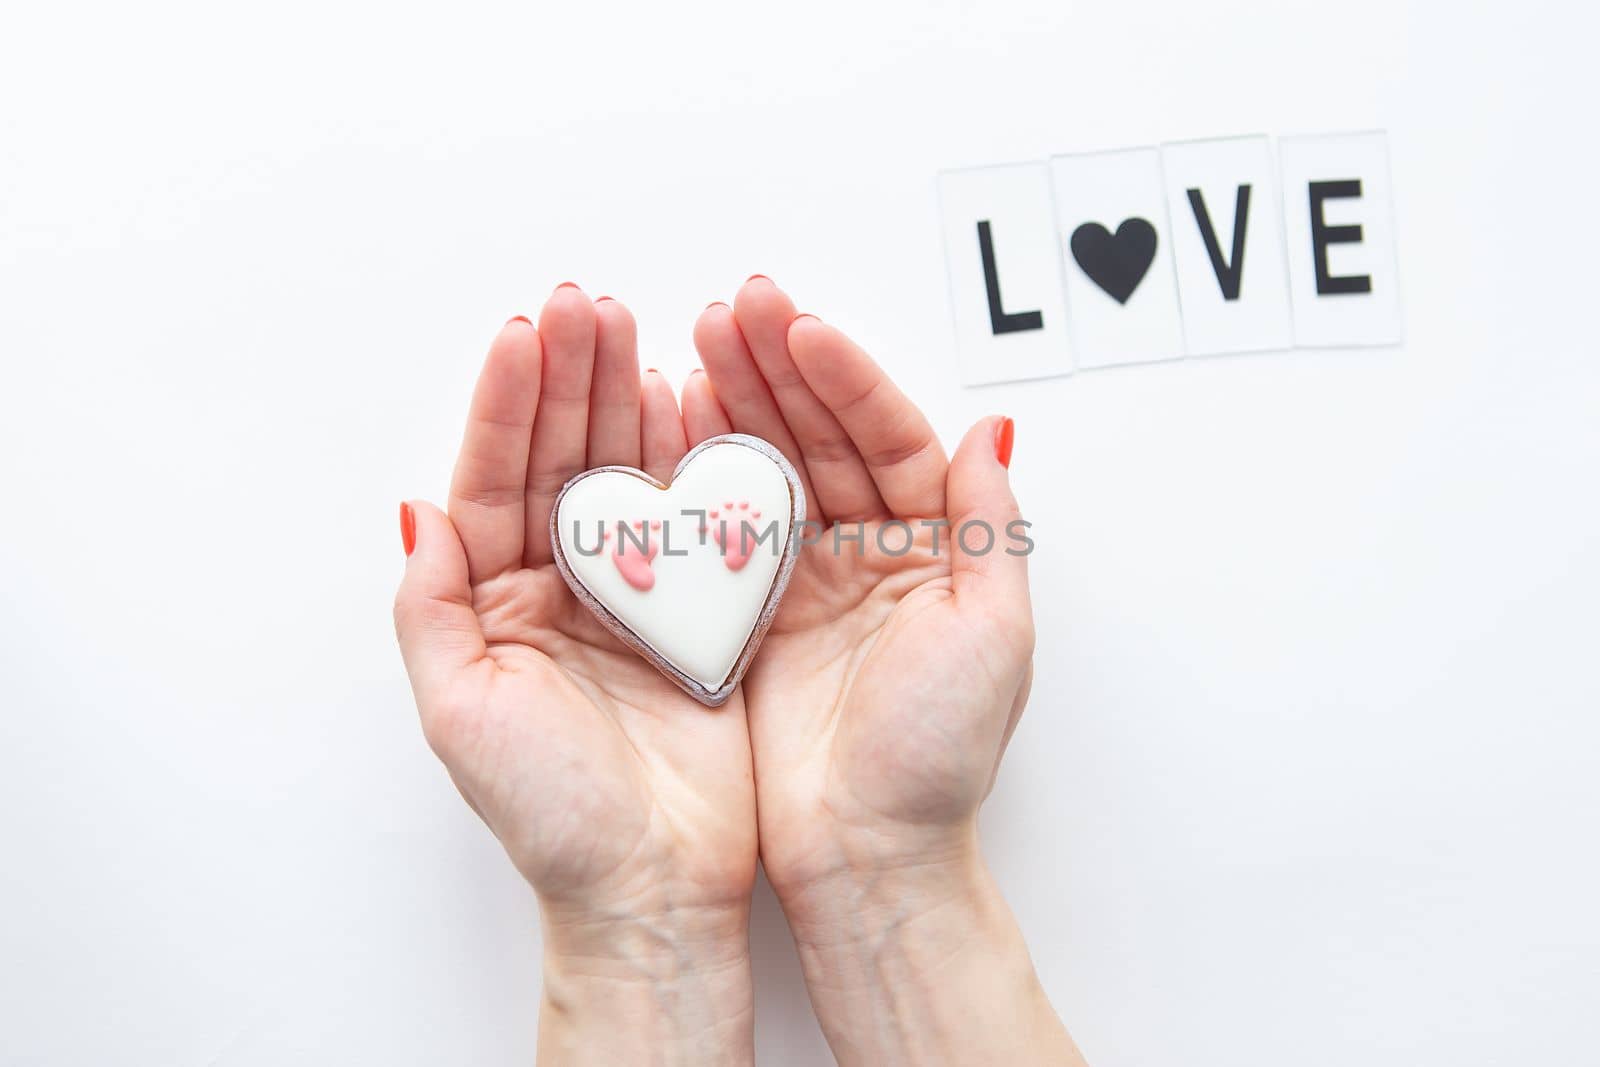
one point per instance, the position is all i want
(1117, 263)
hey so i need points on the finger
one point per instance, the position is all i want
(844, 488)
(741, 389)
(988, 544)
(614, 392)
(703, 416)
(487, 489)
(900, 448)
(662, 441)
(561, 425)
(433, 617)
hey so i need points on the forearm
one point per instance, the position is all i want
(924, 965)
(665, 990)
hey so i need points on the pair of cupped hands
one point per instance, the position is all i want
(851, 760)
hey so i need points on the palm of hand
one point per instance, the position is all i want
(886, 691)
(605, 783)
(872, 711)
(620, 777)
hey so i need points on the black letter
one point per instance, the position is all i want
(1228, 275)
(1323, 235)
(999, 320)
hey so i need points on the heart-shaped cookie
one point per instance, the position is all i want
(689, 574)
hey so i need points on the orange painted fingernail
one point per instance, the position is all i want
(519, 318)
(1004, 436)
(753, 277)
(567, 285)
(651, 370)
(408, 528)
(600, 298)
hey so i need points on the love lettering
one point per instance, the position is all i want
(1188, 249)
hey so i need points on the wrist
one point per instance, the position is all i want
(854, 918)
(922, 962)
(663, 986)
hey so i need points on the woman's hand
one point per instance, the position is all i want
(884, 695)
(628, 806)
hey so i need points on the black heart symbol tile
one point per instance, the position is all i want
(1116, 263)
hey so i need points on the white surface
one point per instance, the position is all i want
(1257, 318)
(1366, 318)
(1309, 773)
(698, 613)
(1108, 188)
(1015, 200)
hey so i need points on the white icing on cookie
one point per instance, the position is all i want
(656, 558)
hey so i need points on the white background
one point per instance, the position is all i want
(1309, 773)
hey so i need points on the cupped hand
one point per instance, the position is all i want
(626, 804)
(900, 659)
(885, 695)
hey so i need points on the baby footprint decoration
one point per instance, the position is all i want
(633, 562)
(738, 543)
(691, 586)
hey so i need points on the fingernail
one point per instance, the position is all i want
(567, 285)
(1004, 436)
(651, 370)
(753, 277)
(697, 370)
(716, 303)
(805, 315)
(408, 528)
(519, 318)
(600, 298)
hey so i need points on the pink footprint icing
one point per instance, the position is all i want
(736, 555)
(633, 562)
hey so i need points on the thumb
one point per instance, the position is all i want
(433, 616)
(989, 540)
